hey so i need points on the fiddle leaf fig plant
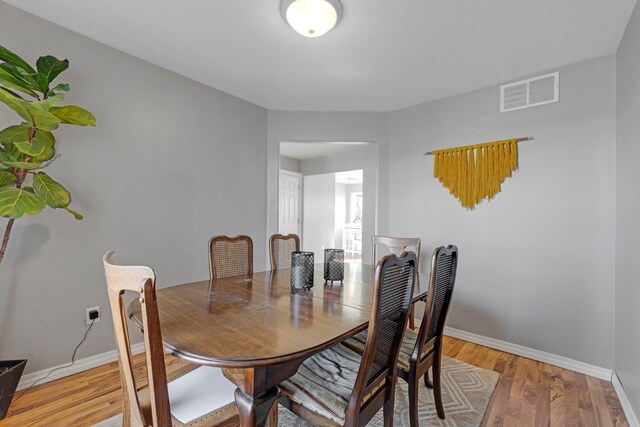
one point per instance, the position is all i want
(28, 147)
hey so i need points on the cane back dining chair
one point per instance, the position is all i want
(230, 256)
(397, 245)
(423, 350)
(338, 387)
(151, 405)
(280, 248)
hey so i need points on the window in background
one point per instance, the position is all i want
(355, 211)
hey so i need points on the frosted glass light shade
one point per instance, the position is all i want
(311, 18)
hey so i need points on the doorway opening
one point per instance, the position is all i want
(333, 213)
(327, 196)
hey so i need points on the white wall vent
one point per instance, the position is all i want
(529, 93)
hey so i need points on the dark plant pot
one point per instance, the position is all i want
(10, 373)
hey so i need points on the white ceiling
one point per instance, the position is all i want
(383, 55)
(313, 150)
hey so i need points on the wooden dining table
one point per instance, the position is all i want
(259, 331)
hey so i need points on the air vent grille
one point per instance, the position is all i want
(530, 93)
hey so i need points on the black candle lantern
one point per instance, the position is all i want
(333, 265)
(301, 270)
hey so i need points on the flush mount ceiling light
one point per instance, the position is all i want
(311, 18)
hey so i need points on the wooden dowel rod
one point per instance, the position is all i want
(526, 138)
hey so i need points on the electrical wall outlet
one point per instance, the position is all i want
(90, 310)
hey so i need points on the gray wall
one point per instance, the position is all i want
(627, 299)
(290, 164)
(536, 263)
(168, 161)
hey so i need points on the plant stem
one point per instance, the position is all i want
(5, 239)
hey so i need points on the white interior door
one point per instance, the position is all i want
(289, 203)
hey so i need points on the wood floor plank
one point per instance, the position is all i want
(557, 398)
(82, 399)
(543, 397)
(481, 357)
(514, 404)
(600, 407)
(585, 405)
(452, 346)
(528, 393)
(571, 398)
(613, 404)
(468, 352)
(497, 409)
(492, 358)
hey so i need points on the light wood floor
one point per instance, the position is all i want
(529, 393)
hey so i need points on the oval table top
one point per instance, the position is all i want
(250, 321)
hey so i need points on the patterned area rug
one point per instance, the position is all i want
(466, 392)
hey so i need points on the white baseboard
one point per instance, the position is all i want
(624, 401)
(80, 365)
(530, 353)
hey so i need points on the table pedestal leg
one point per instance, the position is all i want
(254, 411)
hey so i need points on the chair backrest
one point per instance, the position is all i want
(140, 280)
(230, 256)
(395, 245)
(280, 248)
(444, 263)
(393, 290)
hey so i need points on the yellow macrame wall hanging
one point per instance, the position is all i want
(475, 172)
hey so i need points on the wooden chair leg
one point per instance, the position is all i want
(387, 409)
(126, 410)
(413, 400)
(126, 417)
(437, 385)
(427, 381)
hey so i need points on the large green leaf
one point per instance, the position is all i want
(41, 146)
(10, 92)
(14, 134)
(25, 80)
(11, 150)
(48, 140)
(24, 165)
(52, 192)
(7, 56)
(35, 116)
(74, 115)
(15, 202)
(9, 161)
(51, 101)
(9, 81)
(6, 178)
(31, 149)
(49, 68)
(62, 87)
